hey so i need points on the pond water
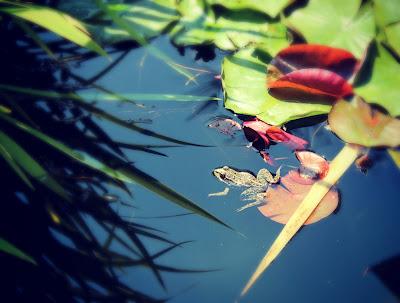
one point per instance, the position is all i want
(330, 261)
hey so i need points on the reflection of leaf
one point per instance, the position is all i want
(299, 56)
(7, 247)
(269, 132)
(339, 23)
(55, 21)
(282, 201)
(244, 83)
(272, 8)
(383, 87)
(127, 174)
(310, 84)
(230, 31)
(356, 122)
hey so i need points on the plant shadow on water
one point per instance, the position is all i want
(65, 217)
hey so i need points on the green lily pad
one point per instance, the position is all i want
(383, 86)
(340, 23)
(272, 8)
(386, 11)
(230, 31)
(244, 82)
(393, 37)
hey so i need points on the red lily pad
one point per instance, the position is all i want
(310, 84)
(313, 165)
(358, 123)
(269, 132)
(299, 56)
(282, 200)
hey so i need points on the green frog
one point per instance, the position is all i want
(256, 184)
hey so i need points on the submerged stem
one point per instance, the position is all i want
(337, 168)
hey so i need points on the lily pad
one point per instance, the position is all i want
(244, 81)
(230, 31)
(356, 122)
(383, 86)
(340, 23)
(272, 8)
(283, 200)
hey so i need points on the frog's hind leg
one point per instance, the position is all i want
(264, 176)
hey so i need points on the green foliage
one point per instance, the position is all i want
(55, 21)
(244, 82)
(382, 87)
(9, 248)
(340, 23)
(230, 31)
(271, 8)
(22, 163)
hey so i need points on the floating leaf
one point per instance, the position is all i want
(243, 80)
(299, 56)
(356, 122)
(283, 200)
(382, 87)
(9, 248)
(230, 31)
(313, 84)
(55, 21)
(269, 132)
(272, 8)
(312, 164)
(340, 23)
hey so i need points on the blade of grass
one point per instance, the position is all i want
(139, 39)
(395, 155)
(94, 110)
(9, 248)
(35, 37)
(337, 168)
(55, 21)
(30, 165)
(108, 97)
(127, 174)
(6, 155)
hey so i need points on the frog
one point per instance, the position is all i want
(257, 185)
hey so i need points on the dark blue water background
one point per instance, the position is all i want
(326, 262)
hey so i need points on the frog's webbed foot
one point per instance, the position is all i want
(252, 193)
(258, 202)
(264, 176)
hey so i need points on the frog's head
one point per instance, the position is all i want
(221, 172)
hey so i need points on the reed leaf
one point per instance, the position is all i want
(10, 249)
(128, 174)
(55, 21)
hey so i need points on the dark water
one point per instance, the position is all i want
(330, 261)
